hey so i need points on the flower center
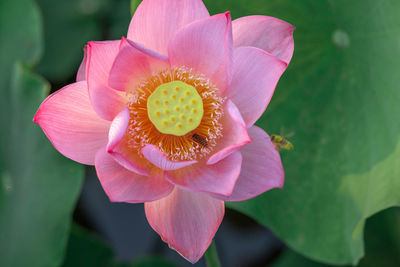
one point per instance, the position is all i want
(175, 108)
(185, 129)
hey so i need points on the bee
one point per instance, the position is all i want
(200, 140)
(281, 142)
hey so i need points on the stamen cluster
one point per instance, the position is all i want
(194, 145)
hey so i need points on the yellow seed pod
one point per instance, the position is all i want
(175, 108)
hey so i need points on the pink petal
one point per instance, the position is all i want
(159, 159)
(255, 76)
(122, 185)
(234, 136)
(156, 21)
(131, 163)
(129, 158)
(69, 121)
(206, 47)
(186, 221)
(261, 168)
(134, 64)
(270, 34)
(81, 75)
(219, 178)
(117, 129)
(106, 101)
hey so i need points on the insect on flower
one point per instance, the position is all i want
(281, 142)
(199, 139)
(167, 115)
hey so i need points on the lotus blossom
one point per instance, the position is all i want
(167, 115)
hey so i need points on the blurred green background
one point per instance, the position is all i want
(339, 100)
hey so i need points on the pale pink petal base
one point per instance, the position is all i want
(219, 178)
(122, 185)
(235, 134)
(106, 101)
(159, 159)
(261, 168)
(117, 129)
(186, 221)
(273, 35)
(128, 158)
(71, 124)
(155, 22)
(255, 76)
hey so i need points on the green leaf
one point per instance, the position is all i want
(382, 244)
(39, 187)
(340, 98)
(87, 249)
(211, 256)
(119, 18)
(382, 240)
(134, 5)
(68, 26)
(20, 35)
(153, 261)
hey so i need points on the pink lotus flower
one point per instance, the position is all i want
(167, 115)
